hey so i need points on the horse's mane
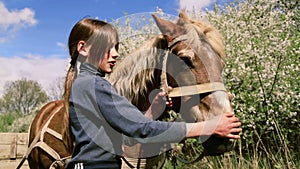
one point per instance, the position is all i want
(133, 75)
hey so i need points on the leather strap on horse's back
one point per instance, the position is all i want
(47, 149)
(38, 141)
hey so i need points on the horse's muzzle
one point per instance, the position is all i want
(215, 146)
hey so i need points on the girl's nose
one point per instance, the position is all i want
(114, 53)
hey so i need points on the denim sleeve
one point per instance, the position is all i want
(126, 119)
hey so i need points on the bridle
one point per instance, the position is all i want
(185, 90)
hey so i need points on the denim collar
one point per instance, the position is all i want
(89, 68)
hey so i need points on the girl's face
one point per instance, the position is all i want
(108, 61)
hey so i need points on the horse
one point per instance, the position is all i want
(188, 56)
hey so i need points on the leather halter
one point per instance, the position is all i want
(185, 90)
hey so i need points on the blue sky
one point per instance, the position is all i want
(34, 33)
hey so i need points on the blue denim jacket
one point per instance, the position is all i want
(99, 117)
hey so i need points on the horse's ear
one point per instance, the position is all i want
(183, 18)
(183, 15)
(169, 29)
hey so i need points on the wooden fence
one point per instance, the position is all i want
(12, 148)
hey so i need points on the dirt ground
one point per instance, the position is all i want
(12, 164)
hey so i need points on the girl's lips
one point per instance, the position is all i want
(112, 64)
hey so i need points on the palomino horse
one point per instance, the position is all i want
(188, 57)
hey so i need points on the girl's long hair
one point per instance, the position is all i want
(100, 35)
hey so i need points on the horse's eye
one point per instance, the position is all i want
(186, 53)
(188, 61)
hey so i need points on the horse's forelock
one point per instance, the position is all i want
(212, 35)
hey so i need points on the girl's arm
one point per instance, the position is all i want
(225, 125)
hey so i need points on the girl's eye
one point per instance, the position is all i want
(117, 47)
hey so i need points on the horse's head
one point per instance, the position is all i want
(189, 55)
(194, 68)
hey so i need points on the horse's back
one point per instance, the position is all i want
(42, 116)
(47, 136)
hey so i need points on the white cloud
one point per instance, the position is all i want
(190, 5)
(13, 20)
(62, 45)
(43, 70)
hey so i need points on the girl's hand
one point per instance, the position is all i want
(158, 105)
(226, 125)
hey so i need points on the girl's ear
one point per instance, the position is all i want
(81, 48)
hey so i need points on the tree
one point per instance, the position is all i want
(22, 96)
(56, 90)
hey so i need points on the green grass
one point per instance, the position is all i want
(253, 158)
(6, 119)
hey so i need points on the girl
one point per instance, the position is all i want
(99, 117)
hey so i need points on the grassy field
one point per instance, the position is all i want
(246, 159)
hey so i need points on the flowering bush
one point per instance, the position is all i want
(262, 45)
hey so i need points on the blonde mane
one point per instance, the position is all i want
(135, 73)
